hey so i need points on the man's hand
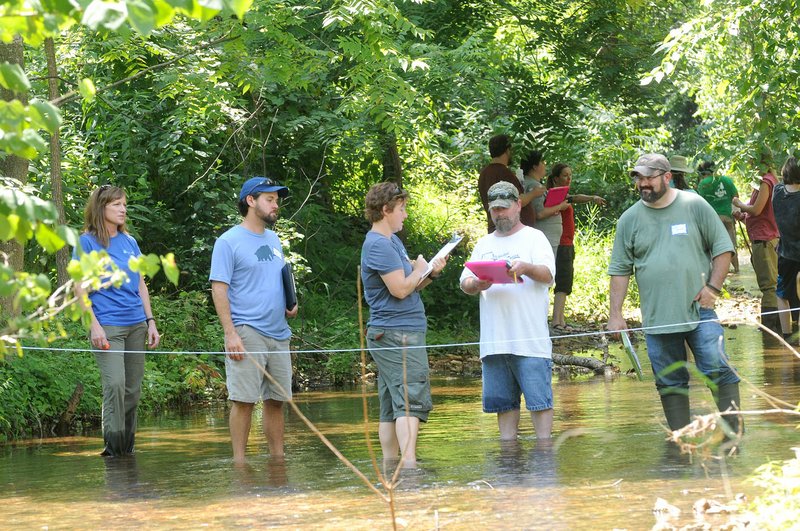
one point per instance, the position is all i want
(292, 313)
(706, 297)
(474, 285)
(519, 268)
(234, 346)
(615, 324)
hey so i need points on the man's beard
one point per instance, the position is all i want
(269, 219)
(504, 225)
(651, 196)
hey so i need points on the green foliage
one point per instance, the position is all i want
(35, 388)
(778, 506)
(187, 324)
(738, 60)
(33, 304)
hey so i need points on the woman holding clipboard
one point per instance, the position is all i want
(561, 176)
(397, 323)
(548, 213)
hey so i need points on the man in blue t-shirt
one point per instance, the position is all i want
(247, 289)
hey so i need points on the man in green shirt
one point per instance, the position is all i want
(676, 246)
(719, 191)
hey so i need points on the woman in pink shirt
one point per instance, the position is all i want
(561, 175)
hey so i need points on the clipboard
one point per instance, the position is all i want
(289, 290)
(634, 359)
(494, 270)
(444, 251)
(556, 196)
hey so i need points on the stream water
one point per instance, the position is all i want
(605, 472)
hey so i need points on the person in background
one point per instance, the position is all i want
(397, 324)
(786, 206)
(516, 352)
(759, 220)
(248, 294)
(720, 192)
(122, 321)
(679, 167)
(497, 170)
(548, 218)
(561, 175)
(676, 246)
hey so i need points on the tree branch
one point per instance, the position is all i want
(74, 94)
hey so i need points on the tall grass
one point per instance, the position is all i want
(594, 239)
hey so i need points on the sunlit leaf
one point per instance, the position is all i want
(142, 16)
(170, 268)
(48, 239)
(108, 15)
(45, 115)
(87, 89)
(13, 78)
(239, 7)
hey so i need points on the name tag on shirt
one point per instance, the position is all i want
(679, 229)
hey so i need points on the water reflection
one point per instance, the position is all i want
(607, 465)
(520, 463)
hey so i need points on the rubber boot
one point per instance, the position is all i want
(772, 320)
(676, 409)
(727, 397)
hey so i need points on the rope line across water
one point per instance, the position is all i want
(335, 350)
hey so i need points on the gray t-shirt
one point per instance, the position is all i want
(670, 251)
(786, 206)
(551, 226)
(381, 255)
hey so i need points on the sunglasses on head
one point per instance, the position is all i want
(266, 181)
(502, 195)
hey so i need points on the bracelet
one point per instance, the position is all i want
(150, 319)
(715, 290)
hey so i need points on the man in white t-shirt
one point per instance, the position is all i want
(516, 352)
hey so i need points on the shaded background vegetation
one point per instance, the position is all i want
(332, 97)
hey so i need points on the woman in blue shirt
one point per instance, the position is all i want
(397, 323)
(122, 320)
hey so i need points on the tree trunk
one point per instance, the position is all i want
(62, 255)
(392, 165)
(62, 428)
(13, 166)
(393, 170)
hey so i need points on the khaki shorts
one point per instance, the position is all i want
(388, 347)
(246, 382)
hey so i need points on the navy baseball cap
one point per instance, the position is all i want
(262, 184)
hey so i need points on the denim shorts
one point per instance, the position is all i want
(506, 377)
(708, 347)
(246, 382)
(388, 347)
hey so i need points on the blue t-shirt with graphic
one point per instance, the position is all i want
(250, 264)
(116, 306)
(381, 255)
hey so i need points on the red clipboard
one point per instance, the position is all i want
(494, 270)
(555, 196)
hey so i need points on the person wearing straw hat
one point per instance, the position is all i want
(720, 192)
(679, 167)
(516, 351)
(678, 249)
(247, 289)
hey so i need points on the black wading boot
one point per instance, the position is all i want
(727, 397)
(676, 409)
